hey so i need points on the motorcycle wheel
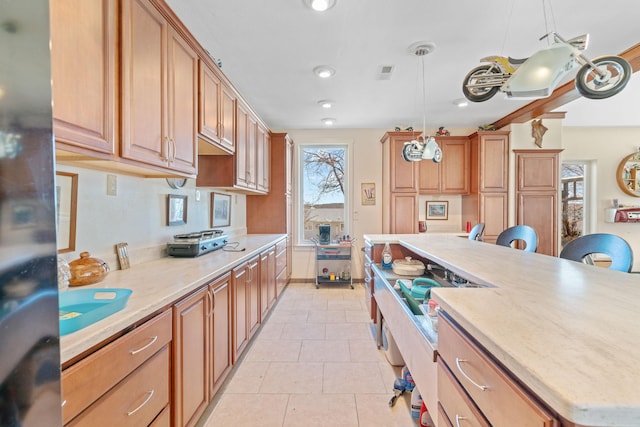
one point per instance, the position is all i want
(474, 76)
(409, 155)
(617, 72)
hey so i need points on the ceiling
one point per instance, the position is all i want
(269, 48)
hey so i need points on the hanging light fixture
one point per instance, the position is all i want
(428, 148)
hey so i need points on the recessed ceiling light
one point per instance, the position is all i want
(461, 102)
(325, 103)
(324, 71)
(328, 121)
(320, 5)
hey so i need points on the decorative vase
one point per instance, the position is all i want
(87, 270)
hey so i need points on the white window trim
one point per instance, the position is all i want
(297, 202)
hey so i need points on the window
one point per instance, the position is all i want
(323, 190)
(576, 212)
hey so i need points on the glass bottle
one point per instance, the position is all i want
(387, 259)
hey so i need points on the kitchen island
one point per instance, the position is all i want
(564, 331)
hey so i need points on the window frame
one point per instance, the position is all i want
(299, 199)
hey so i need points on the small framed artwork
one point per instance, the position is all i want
(66, 207)
(368, 193)
(437, 210)
(220, 210)
(176, 209)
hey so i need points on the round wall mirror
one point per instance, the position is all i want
(628, 174)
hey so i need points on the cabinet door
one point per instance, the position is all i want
(242, 144)
(220, 324)
(404, 215)
(493, 212)
(144, 80)
(263, 159)
(209, 105)
(267, 281)
(494, 162)
(253, 294)
(83, 69)
(404, 175)
(190, 357)
(454, 168)
(239, 305)
(183, 113)
(228, 118)
(540, 211)
(252, 144)
(429, 174)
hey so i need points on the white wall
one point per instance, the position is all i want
(365, 166)
(606, 147)
(138, 215)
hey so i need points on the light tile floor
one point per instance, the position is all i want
(313, 362)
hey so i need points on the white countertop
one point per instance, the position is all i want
(157, 284)
(567, 330)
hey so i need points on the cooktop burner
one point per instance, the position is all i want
(197, 243)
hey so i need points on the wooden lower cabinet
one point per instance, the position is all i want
(468, 376)
(190, 352)
(239, 305)
(104, 387)
(164, 419)
(220, 327)
(267, 281)
(253, 296)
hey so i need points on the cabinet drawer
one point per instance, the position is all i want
(164, 419)
(457, 407)
(503, 402)
(87, 380)
(136, 401)
(281, 246)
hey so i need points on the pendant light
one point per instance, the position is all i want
(428, 149)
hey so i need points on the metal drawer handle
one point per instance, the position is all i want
(458, 418)
(153, 340)
(151, 393)
(458, 362)
(64, 402)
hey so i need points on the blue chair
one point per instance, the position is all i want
(616, 247)
(476, 232)
(519, 232)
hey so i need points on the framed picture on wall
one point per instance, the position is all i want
(437, 210)
(176, 209)
(220, 210)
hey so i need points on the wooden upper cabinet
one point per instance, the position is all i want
(403, 175)
(252, 148)
(242, 144)
(159, 87)
(183, 111)
(211, 113)
(493, 160)
(83, 68)
(263, 158)
(451, 176)
(228, 102)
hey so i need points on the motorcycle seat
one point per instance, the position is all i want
(516, 61)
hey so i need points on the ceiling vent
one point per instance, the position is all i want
(385, 72)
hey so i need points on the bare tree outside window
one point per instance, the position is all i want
(572, 201)
(324, 193)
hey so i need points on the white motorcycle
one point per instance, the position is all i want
(415, 150)
(539, 75)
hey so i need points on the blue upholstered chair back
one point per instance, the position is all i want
(600, 243)
(477, 231)
(519, 232)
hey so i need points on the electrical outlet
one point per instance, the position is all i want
(112, 185)
(197, 195)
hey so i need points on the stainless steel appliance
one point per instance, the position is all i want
(29, 327)
(197, 243)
